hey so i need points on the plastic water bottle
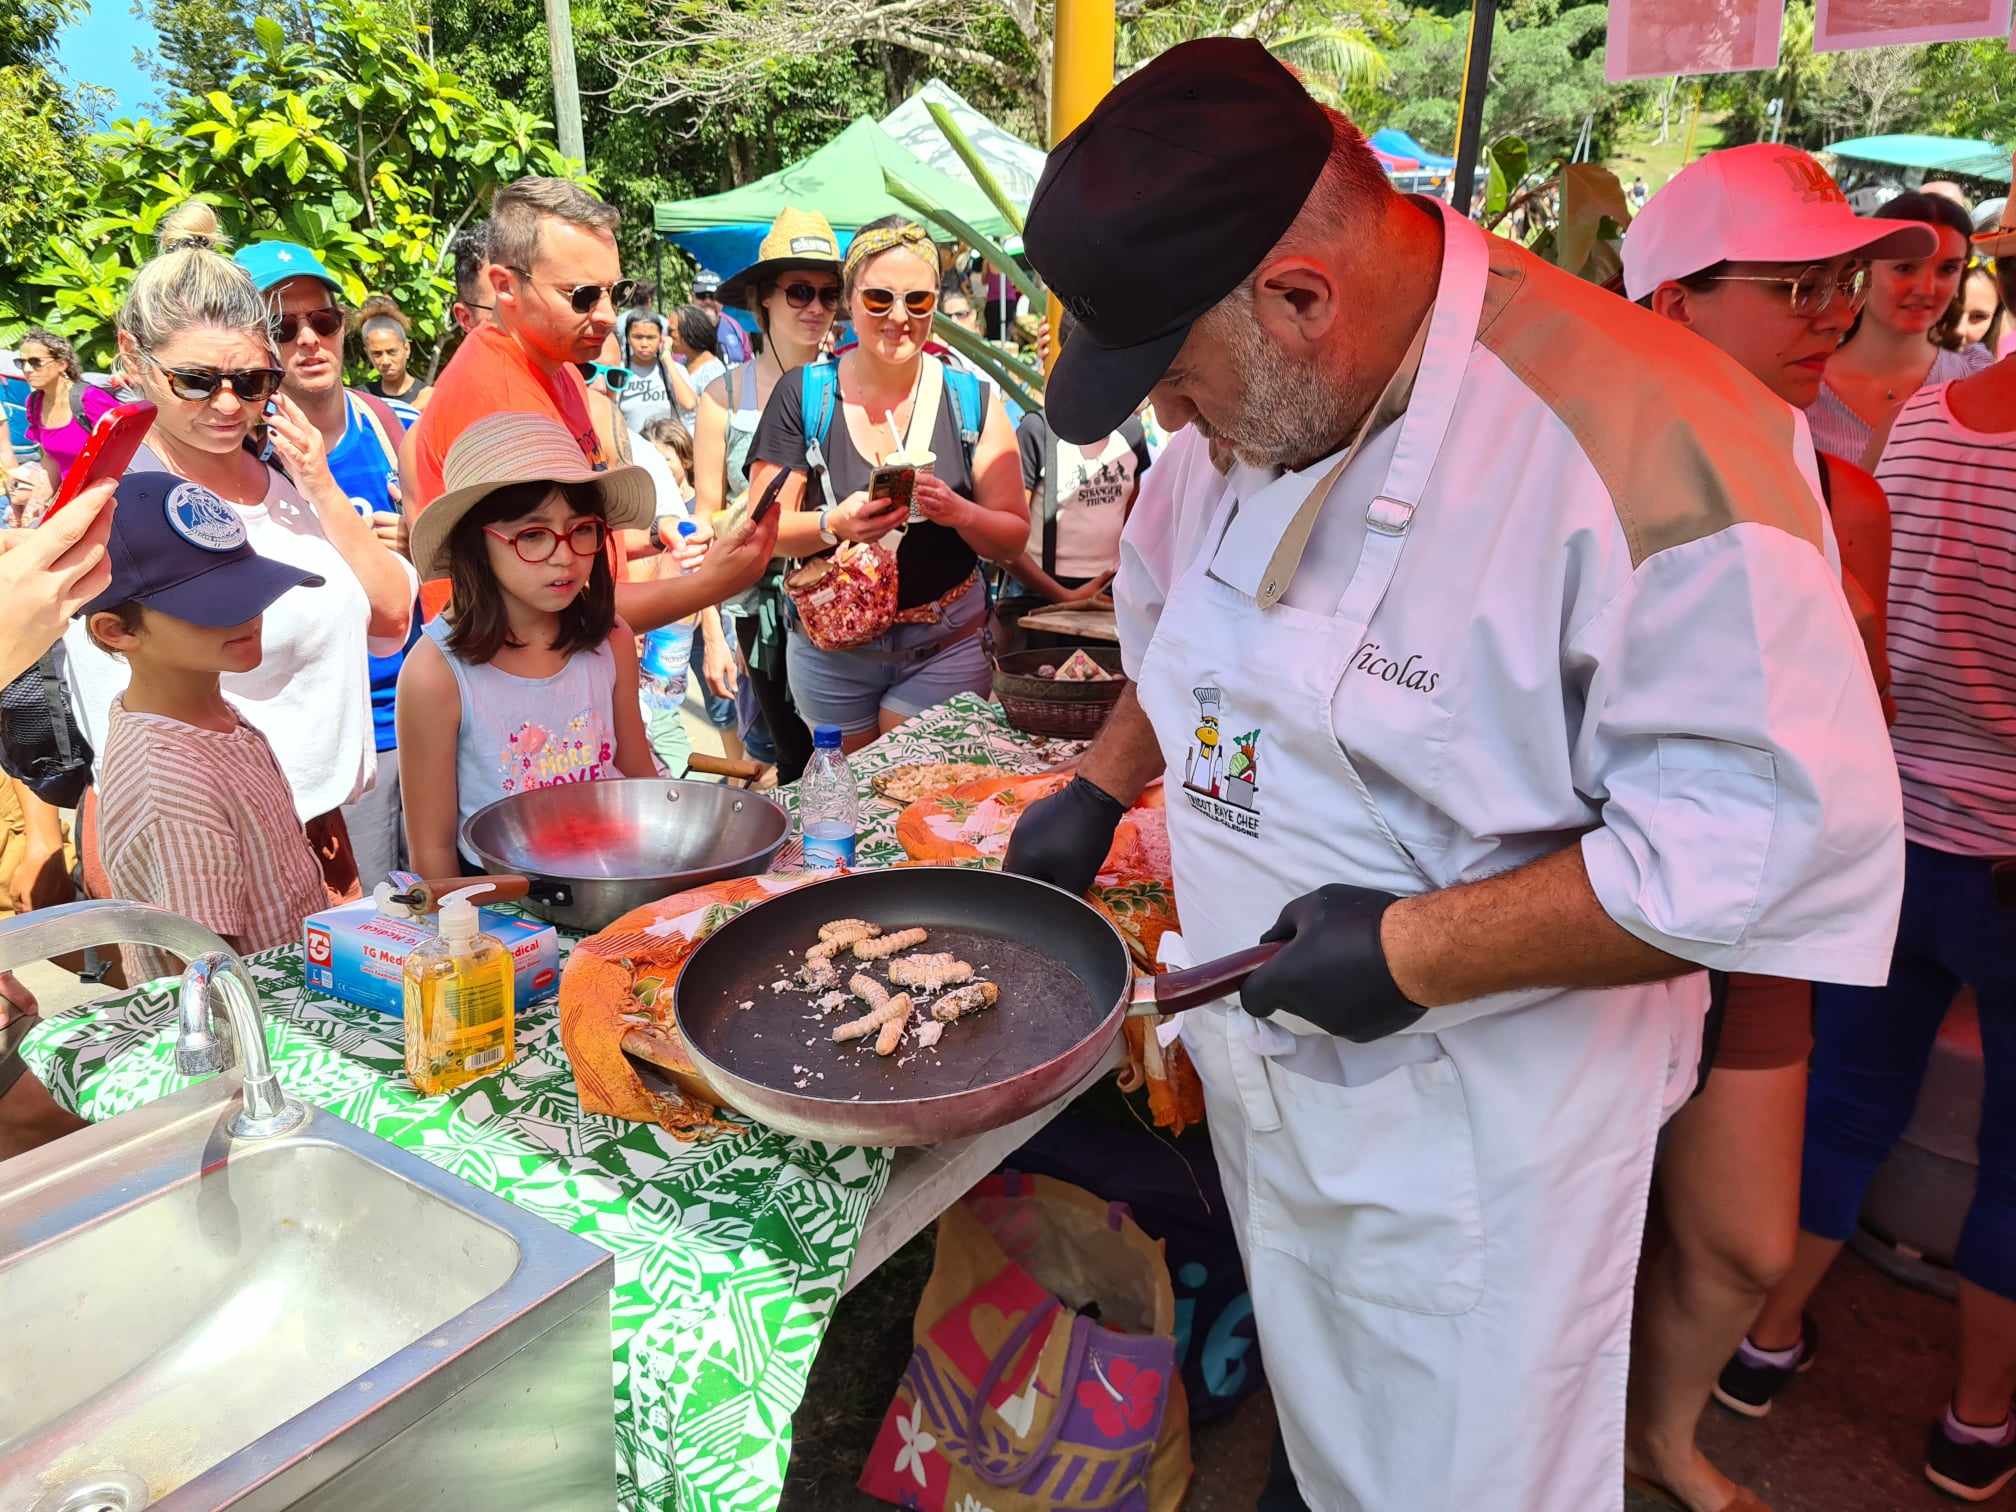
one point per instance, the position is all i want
(667, 659)
(828, 806)
(662, 671)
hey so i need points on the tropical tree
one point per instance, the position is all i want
(356, 146)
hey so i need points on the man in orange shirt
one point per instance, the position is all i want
(555, 283)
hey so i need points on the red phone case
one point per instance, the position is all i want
(108, 452)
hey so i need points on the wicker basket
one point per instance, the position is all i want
(1044, 706)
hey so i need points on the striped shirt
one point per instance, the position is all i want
(202, 823)
(1953, 626)
(1840, 432)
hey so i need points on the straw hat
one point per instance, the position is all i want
(2001, 242)
(500, 450)
(797, 239)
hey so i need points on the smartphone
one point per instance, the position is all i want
(897, 484)
(107, 453)
(770, 496)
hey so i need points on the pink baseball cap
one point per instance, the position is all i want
(1761, 203)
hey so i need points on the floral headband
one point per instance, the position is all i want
(886, 238)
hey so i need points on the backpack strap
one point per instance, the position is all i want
(818, 394)
(380, 417)
(969, 408)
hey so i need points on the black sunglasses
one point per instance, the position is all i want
(252, 385)
(582, 298)
(800, 295)
(325, 322)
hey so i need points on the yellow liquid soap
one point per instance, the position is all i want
(459, 1020)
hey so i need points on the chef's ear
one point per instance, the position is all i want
(1296, 302)
(1673, 301)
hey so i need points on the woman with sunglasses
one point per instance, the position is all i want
(62, 407)
(195, 339)
(1756, 251)
(969, 507)
(793, 289)
(1890, 353)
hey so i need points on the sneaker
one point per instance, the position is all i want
(1747, 1388)
(1973, 1472)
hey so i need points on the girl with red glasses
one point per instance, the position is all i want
(528, 679)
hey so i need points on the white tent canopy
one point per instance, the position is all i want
(1014, 163)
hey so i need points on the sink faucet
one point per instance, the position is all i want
(268, 1110)
(47, 932)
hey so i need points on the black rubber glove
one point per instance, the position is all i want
(1063, 838)
(1332, 970)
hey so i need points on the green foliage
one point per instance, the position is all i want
(357, 146)
(28, 29)
(1546, 78)
(1968, 89)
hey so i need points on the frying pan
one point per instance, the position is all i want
(1066, 986)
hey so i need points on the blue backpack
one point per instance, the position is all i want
(819, 396)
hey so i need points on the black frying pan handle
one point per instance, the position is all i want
(1175, 991)
(553, 894)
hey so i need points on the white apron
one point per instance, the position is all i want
(1440, 1230)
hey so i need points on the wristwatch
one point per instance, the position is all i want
(824, 534)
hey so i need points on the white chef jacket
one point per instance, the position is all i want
(1601, 608)
(1646, 647)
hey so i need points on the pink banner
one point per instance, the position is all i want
(1842, 24)
(1651, 39)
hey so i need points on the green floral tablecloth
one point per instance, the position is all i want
(730, 1254)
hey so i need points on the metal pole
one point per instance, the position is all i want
(1470, 118)
(566, 88)
(1081, 71)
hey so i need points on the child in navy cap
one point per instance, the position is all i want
(194, 813)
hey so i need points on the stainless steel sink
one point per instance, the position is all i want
(317, 1319)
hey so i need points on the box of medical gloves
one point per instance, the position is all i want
(357, 952)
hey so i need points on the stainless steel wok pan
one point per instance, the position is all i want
(596, 850)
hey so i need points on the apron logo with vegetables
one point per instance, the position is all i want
(1221, 773)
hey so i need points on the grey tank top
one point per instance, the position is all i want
(530, 732)
(741, 426)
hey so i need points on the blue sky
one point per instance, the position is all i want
(99, 50)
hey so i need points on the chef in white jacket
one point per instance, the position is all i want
(1535, 692)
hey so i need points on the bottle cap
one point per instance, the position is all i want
(689, 527)
(826, 737)
(458, 914)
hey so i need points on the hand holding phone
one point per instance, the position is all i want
(108, 452)
(894, 483)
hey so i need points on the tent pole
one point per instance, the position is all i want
(1470, 117)
(1081, 72)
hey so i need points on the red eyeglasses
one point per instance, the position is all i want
(537, 543)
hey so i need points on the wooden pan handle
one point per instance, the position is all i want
(1175, 991)
(724, 766)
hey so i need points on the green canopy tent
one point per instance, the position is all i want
(1963, 156)
(842, 181)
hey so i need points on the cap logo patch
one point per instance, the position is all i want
(1811, 182)
(809, 244)
(202, 519)
(1082, 309)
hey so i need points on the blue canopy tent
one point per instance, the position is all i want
(1397, 143)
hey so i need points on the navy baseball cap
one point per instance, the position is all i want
(177, 547)
(274, 262)
(1196, 165)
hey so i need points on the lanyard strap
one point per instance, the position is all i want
(1295, 539)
